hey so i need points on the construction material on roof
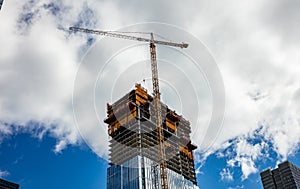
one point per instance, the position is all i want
(132, 128)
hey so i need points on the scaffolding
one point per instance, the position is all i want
(132, 129)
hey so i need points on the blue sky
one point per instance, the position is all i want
(32, 163)
(241, 72)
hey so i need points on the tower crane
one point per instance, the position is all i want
(155, 83)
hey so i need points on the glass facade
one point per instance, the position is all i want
(137, 173)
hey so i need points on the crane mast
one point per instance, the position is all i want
(158, 115)
(155, 83)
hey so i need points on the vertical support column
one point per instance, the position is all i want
(139, 130)
(154, 175)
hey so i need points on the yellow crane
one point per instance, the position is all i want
(155, 83)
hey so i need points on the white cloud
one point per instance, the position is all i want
(260, 73)
(4, 173)
(61, 145)
(4, 129)
(237, 187)
(226, 175)
(244, 155)
(37, 72)
(39, 64)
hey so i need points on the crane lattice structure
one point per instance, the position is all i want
(155, 83)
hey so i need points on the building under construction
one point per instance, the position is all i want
(134, 145)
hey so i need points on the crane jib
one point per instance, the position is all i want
(123, 36)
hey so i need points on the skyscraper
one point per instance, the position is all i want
(4, 184)
(134, 146)
(286, 176)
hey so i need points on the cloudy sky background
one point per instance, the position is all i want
(254, 44)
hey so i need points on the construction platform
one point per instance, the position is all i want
(132, 129)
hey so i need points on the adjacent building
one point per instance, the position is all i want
(286, 176)
(4, 184)
(134, 147)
